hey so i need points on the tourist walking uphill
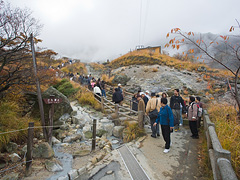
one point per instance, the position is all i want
(152, 109)
(192, 117)
(175, 102)
(165, 118)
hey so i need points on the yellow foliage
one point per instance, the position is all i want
(155, 70)
(132, 132)
(107, 79)
(10, 120)
(97, 66)
(225, 119)
(77, 67)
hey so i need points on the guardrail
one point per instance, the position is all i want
(220, 158)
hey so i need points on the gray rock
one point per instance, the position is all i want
(117, 131)
(15, 157)
(115, 141)
(55, 140)
(101, 132)
(64, 118)
(59, 109)
(72, 138)
(63, 177)
(43, 150)
(11, 176)
(81, 171)
(109, 128)
(73, 174)
(122, 79)
(109, 172)
(53, 166)
(88, 134)
(11, 147)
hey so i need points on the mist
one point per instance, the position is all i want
(97, 30)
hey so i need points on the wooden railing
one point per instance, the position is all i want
(220, 158)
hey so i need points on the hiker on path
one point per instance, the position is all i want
(147, 93)
(145, 99)
(152, 110)
(103, 88)
(135, 102)
(192, 117)
(166, 119)
(199, 103)
(175, 102)
(97, 90)
(117, 96)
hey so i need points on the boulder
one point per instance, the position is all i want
(100, 132)
(64, 118)
(72, 138)
(55, 140)
(108, 127)
(122, 79)
(11, 147)
(43, 150)
(88, 134)
(59, 109)
(117, 131)
(53, 166)
(15, 157)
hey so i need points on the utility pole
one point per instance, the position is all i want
(40, 102)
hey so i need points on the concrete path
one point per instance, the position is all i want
(181, 163)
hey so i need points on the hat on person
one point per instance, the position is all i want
(153, 94)
(147, 91)
(141, 93)
(119, 84)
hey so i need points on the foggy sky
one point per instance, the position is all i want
(97, 30)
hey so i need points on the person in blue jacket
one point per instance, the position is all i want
(165, 117)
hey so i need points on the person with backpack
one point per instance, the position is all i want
(166, 119)
(192, 117)
(175, 102)
(199, 103)
(152, 109)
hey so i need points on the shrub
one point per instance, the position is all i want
(155, 70)
(132, 131)
(107, 79)
(228, 129)
(10, 120)
(65, 87)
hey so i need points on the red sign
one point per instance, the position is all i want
(52, 100)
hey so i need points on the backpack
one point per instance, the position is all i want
(199, 110)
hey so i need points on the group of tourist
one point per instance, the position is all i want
(168, 116)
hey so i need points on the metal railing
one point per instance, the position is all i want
(220, 158)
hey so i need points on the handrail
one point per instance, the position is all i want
(220, 158)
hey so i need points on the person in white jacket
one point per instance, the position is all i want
(97, 92)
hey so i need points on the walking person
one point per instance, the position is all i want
(166, 119)
(175, 102)
(192, 117)
(117, 97)
(103, 88)
(152, 109)
(97, 92)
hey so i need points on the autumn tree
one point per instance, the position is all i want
(231, 52)
(16, 25)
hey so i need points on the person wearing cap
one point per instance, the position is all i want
(151, 106)
(147, 94)
(120, 87)
(145, 99)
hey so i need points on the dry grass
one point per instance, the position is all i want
(228, 131)
(97, 67)
(132, 132)
(77, 67)
(154, 70)
(107, 79)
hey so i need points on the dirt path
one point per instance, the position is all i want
(180, 163)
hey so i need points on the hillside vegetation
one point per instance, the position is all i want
(146, 58)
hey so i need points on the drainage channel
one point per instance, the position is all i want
(134, 168)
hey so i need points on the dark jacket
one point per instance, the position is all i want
(163, 115)
(145, 99)
(175, 102)
(134, 104)
(117, 96)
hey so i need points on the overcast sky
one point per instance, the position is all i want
(97, 30)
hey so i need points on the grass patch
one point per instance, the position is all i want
(224, 117)
(10, 120)
(74, 68)
(132, 131)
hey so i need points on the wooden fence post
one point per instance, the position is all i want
(94, 134)
(102, 103)
(50, 129)
(29, 148)
(140, 119)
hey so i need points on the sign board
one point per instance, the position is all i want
(52, 100)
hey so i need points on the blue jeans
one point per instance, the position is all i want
(103, 93)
